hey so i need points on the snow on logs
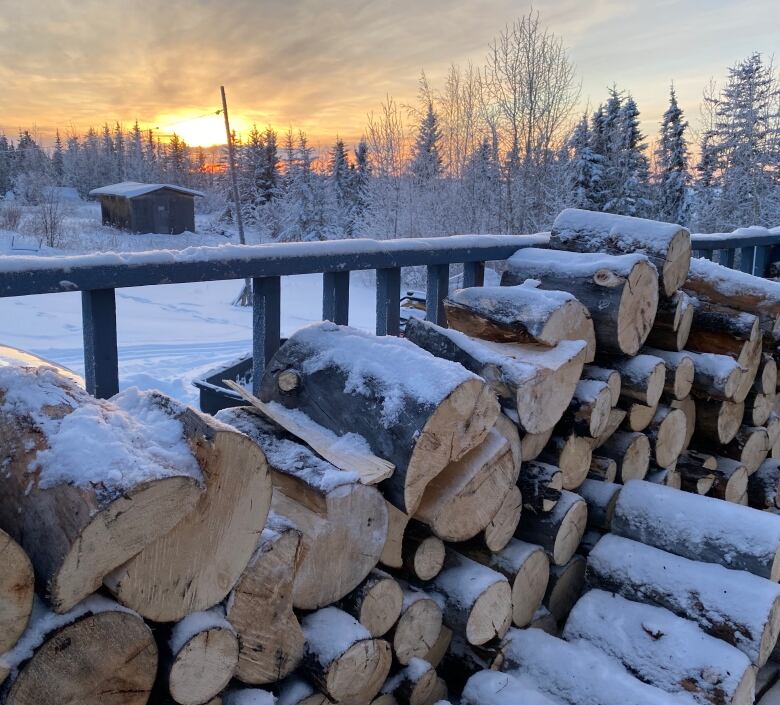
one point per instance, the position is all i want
(672, 323)
(17, 584)
(417, 411)
(558, 531)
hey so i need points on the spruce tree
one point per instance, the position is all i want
(426, 159)
(57, 160)
(585, 167)
(672, 164)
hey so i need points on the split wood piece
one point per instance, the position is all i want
(722, 330)
(700, 528)
(621, 292)
(417, 411)
(616, 418)
(392, 552)
(559, 531)
(418, 627)
(750, 447)
(440, 647)
(740, 608)
(82, 656)
(477, 600)
(520, 314)
(638, 416)
(602, 469)
(697, 471)
(540, 486)
(602, 374)
(716, 376)
(667, 477)
(423, 553)
(672, 323)
(461, 500)
(688, 407)
(298, 691)
(588, 412)
(376, 603)
(80, 495)
(758, 408)
(537, 382)
(565, 587)
(717, 421)
(666, 433)
(414, 684)
(764, 486)
(203, 657)
(680, 371)
(17, 587)
(532, 444)
(646, 640)
(631, 452)
(766, 379)
(494, 688)
(642, 377)
(571, 454)
(342, 658)
(601, 498)
(666, 245)
(260, 608)
(502, 526)
(731, 478)
(343, 522)
(526, 567)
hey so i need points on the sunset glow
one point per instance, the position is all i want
(201, 130)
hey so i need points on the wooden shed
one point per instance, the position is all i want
(147, 208)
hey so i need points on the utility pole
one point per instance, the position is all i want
(245, 298)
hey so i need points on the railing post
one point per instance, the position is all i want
(335, 297)
(746, 259)
(436, 290)
(101, 367)
(388, 301)
(726, 258)
(266, 325)
(761, 260)
(473, 274)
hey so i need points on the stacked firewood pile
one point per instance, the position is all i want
(509, 509)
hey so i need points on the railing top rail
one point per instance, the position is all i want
(745, 237)
(25, 275)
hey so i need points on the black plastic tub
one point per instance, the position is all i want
(214, 395)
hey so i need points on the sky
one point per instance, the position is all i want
(323, 66)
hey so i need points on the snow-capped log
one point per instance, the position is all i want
(422, 552)
(638, 415)
(571, 454)
(558, 531)
(463, 660)
(738, 607)
(576, 672)
(731, 478)
(602, 374)
(601, 498)
(343, 523)
(697, 471)
(95, 649)
(252, 696)
(461, 500)
(565, 587)
(536, 381)
(715, 376)
(477, 600)
(525, 566)
(680, 371)
(112, 475)
(665, 476)
(499, 532)
(603, 469)
(642, 377)
(750, 446)
(616, 418)
(298, 691)
(588, 411)
(621, 292)
(341, 657)
(413, 684)
(662, 649)
(667, 433)
(17, 586)
(376, 603)
(260, 608)
(699, 528)
(672, 323)
(758, 407)
(721, 330)
(415, 410)
(494, 688)
(520, 314)
(688, 407)
(540, 485)
(418, 627)
(764, 485)
(201, 657)
(717, 421)
(392, 551)
(589, 541)
(666, 245)
(631, 452)
(532, 444)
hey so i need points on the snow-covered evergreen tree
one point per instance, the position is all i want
(426, 158)
(57, 160)
(585, 167)
(671, 156)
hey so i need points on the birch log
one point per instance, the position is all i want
(718, 421)
(696, 471)
(423, 553)
(376, 603)
(680, 371)
(418, 627)
(602, 374)
(572, 454)
(631, 452)
(672, 323)
(588, 411)
(642, 376)
(666, 433)
(601, 498)
(17, 586)
(558, 531)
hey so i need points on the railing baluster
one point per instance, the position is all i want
(388, 301)
(101, 366)
(761, 261)
(335, 297)
(473, 274)
(746, 259)
(726, 257)
(266, 325)
(436, 291)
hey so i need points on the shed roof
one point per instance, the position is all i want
(133, 189)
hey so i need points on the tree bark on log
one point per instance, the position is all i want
(602, 374)
(558, 531)
(414, 684)
(565, 587)
(602, 469)
(419, 412)
(588, 411)
(423, 553)
(616, 418)
(672, 323)
(731, 478)
(642, 377)
(376, 603)
(298, 691)
(717, 376)
(697, 471)
(540, 486)
(463, 661)
(17, 587)
(764, 486)
(717, 421)
(721, 330)
(418, 627)
(601, 498)
(680, 371)
(571, 454)
(631, 452)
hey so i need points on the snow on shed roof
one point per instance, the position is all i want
(133, 189)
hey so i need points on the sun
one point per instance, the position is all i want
(199, 130)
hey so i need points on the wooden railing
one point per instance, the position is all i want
(757, 249)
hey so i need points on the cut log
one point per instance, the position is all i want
(502, 526)
(721, 330)
(413, 684)
(418, 627)
(602, 374)
(17, 586)
(260, 608)
(440, 647)
(532, 444)
(764, 485)
(560, 530)
(773, 428)
(298, 691)
(662, 649)
(417, 411)
(250, 696)
(103, 476)
(688, 407)
(545, 621)
(343, 523)
(601, 498)
(717, 376)
(540, 486)
(621, 292)
(565, 587)
(464, 660)
(343, 660)
(731, 478)
(203, 657)
(718, 421)
(588, 412)
(83, 656)
(537, 382)
(638, 416)
(477, 600)
(494, 688)
(527, 569)
(766, 379)
(520, 314)
(376, 603)
(616, 418)
(697, 471)
(667, 477)
(423, 553)
(642, 376)
(758, 408)
(396, 527)
(666, 433)
(750, 447)
(733, 605)
(680, 371)
(461, 500)
(631, 453)
(589, 541)
(672, 323)
(603, 469)
(666, 245)
(571, 454)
